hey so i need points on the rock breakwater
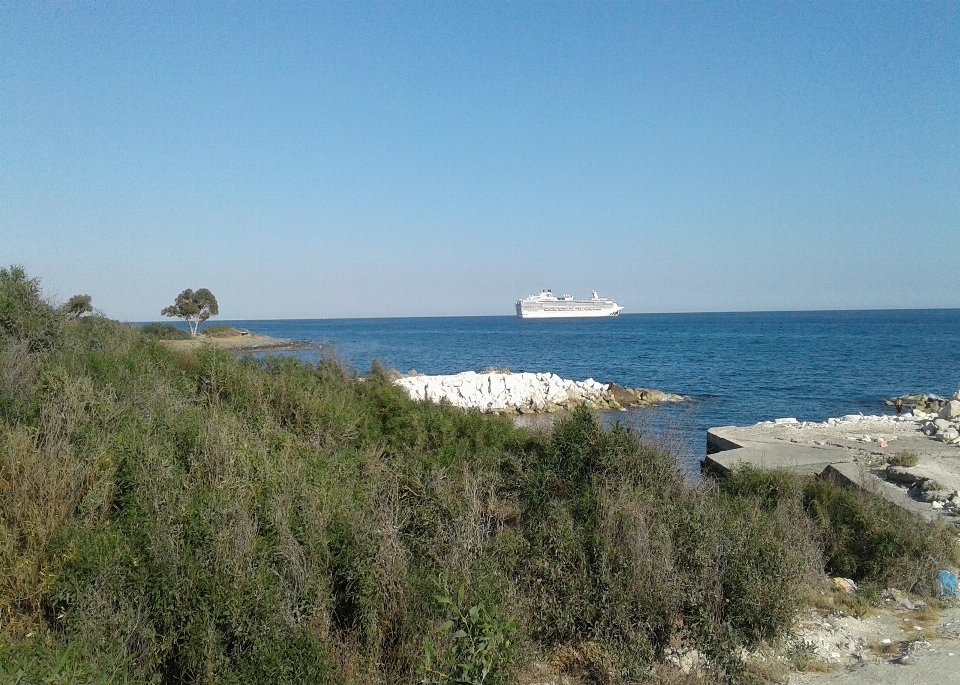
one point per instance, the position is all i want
(505, 393)
(938, 418)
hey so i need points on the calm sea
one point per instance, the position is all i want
(739, 368)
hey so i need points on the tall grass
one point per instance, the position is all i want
(197, 518)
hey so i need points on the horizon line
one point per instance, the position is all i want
(514, 316)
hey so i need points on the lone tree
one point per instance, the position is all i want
(78, 305)
(193, 307)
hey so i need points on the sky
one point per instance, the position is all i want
(308, 160)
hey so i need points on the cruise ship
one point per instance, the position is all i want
(546, 305)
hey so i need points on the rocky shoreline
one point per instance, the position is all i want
(912, 459)
(939, 418)
(502, 392)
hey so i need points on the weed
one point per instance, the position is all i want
(475, 646)
(802, 658)
(903, 458)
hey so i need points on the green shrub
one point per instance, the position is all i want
(164, 331)
(868, 539)
(219, 331)
(863, 536)
(474, 647)
(903, 458)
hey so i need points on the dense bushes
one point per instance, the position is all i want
(164, 331)
(195, 518)
(864, 538)
(25, 318)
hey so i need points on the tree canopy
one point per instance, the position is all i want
(25, 316)
(78, 305)
(194, 307)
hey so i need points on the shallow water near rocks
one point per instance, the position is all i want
(739, 368)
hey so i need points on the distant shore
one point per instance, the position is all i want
(247, 342)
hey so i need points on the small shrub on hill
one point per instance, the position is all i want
(164, 331)
(25, 317)
(219, 331)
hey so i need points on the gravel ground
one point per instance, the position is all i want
(895, 647)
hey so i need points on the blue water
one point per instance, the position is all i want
(740, 368)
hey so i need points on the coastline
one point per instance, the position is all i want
(911, 460)
(250, 342)
(198, 467)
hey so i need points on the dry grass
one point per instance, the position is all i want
(887, 650)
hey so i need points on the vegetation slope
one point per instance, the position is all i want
(197, 518)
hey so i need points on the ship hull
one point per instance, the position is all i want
(586, 312)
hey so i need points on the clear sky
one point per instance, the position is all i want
(406, 159)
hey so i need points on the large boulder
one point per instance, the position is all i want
(949, 435)
(623, 396)
(653, 396)
(950, 410)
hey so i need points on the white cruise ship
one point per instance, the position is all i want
(546, 305)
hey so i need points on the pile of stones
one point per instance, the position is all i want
(945, 424)
(938, 417)
(924, 404)
(497, 391)
(923, 488)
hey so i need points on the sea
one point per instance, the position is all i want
(736, 368)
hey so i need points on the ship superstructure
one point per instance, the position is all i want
(546, 305)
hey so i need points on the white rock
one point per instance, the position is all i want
(499, 392)
(951, 410)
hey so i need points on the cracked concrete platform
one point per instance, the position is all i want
(852, 450)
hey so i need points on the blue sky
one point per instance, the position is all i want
(409, 159)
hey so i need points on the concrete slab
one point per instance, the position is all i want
(853, 451)
(862, 477)
(732, 450)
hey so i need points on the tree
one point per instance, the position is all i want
(193, 307)
(78, 305)
(24, 314)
